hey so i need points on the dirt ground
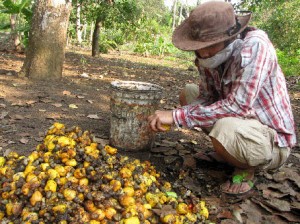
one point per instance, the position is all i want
(81, 98)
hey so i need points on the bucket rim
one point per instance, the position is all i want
(152, 87)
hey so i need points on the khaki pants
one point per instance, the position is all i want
(247, 140)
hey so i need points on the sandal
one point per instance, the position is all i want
(238, 180)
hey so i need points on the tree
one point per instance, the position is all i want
(174, 14)
(47, 40)
(109, 14)
(280, 19)
(20, 16)
(78, 23)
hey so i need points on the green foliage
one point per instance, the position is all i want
(280, 19)
(150, 38)
(4, 19)
(22, 8)
(290, 64)
(18, 7)
(110, 40)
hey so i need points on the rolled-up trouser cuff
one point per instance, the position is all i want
(250, 142)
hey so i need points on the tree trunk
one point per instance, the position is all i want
(174, 14)
(78, 23)
(180, 14)
(47, 39)
(84, 30)
(14, 32)
(96, 35)
(91, 32)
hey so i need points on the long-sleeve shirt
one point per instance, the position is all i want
(249, 85)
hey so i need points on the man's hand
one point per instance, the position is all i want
(159, 119)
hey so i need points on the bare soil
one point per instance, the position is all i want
(81, 98)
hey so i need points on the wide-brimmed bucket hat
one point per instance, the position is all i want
(208, 24)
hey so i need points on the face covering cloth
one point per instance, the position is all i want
(220, 57)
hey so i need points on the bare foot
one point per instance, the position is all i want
(241, 182)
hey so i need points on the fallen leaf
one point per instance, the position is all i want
(160, 149)
(167, 143)
(38, 139)
(20, 104)
(57, 104)
(296, 96)
(287, 216)
(287, 173)
(101, 141)
(283, 188)
(262, 205)
(297, 155)
(84, 75)
(170, 159)
(30, 102)
(165, 210)
(295, 205)
(253, 212)
(24, 140)
(65, 92)
(3, 114)
(7, 151)
(53, 117)
(24, 134)
(171, 152)
(225, 214)
(228, 221)
(268, 194)
(93, 116)
(18, 117)
(194, 142)
(46, 101)
(192, 184)
(189, 162)
(73, 106)
(280, 205)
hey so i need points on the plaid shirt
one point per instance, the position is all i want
(249, 85)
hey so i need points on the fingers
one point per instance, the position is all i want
(155, 123)
(152, 122)
(161, 120)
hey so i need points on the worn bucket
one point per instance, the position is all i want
(131, 103)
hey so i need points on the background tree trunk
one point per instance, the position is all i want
(91, 32)
(47, 39)
(14, 33)
(180, 14)
(174, 14)
(96, 35)
(78, 23)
